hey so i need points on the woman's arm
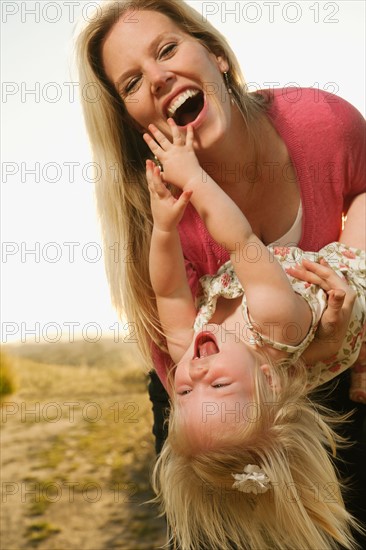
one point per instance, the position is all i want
(354, 232)
(166, 264)
(335, 319)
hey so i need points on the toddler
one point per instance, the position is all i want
(245, 456)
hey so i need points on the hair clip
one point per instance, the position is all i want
(253, 480)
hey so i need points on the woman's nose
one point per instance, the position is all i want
(159, 77)
(197, 370)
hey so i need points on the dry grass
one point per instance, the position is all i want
(78, 450)
(7, 380)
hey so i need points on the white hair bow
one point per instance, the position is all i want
(253, 480)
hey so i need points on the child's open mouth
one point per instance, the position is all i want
(205, 345)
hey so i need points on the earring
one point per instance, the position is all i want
(227, 83)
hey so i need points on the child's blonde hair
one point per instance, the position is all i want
(288, 439)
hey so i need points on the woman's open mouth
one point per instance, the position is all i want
(186, 107)
(205, 345)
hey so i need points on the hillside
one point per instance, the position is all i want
(77, 450)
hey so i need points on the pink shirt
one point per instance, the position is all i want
(325, 138)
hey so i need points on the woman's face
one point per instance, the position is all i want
(162, 72)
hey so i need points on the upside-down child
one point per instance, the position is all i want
(246, 453)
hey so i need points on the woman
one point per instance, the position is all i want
(291, 164)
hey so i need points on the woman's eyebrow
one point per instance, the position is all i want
(151, 48)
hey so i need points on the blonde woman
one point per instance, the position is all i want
(291, 163)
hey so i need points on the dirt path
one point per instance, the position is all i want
(76, 455)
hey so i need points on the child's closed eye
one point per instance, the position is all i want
(216, 386)
(184, 392)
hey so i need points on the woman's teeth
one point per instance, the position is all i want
(178, 102)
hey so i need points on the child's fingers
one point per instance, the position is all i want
(157, 186)
(150, 167)
(185, 197)
(149, 173)
(178, 138)
(154, 181)
(153, 146)
(176, 133)
(182, 201)
(190, 136)
(162, 140)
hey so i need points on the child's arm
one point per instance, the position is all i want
(166, 264)
(271, 301)
(221, 216)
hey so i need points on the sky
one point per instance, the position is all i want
(53, 280)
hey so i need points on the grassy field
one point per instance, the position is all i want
(77, 450)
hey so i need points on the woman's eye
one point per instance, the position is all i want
(166, 50)
(131, 85)
(219, 385)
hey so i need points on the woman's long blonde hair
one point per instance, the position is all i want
(290, 439)
(120, 153)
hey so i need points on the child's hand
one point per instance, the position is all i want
(167, 211)
(335, 319)
(180, 164)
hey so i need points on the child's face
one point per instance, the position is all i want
(214, 380)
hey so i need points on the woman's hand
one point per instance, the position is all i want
(167, 211)
(335, 319)
(180, 165)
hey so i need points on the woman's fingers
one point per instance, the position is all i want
(340, 295)
(339, 299)
(335, 319)
(329, 279)
(335, 304)
(319, 274)
(300, 272)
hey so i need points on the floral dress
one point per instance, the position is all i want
(346, 261)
